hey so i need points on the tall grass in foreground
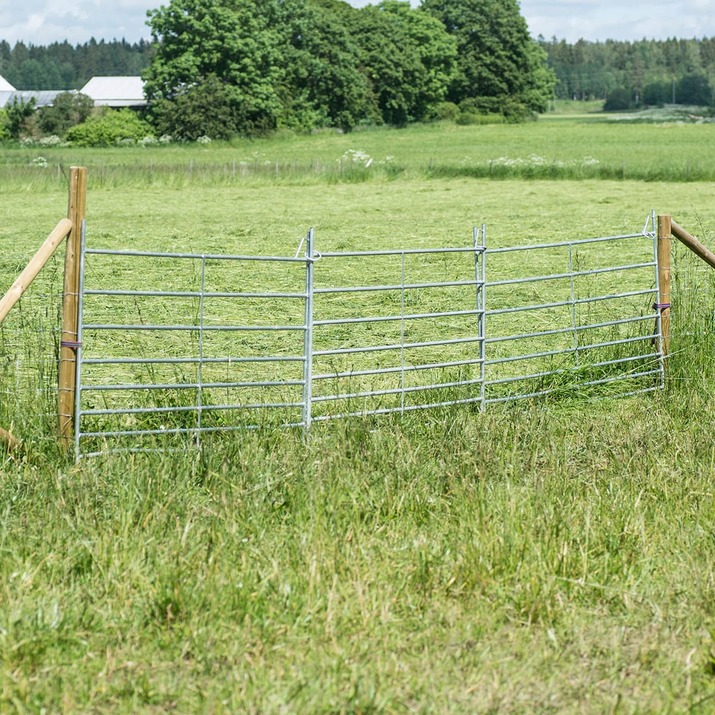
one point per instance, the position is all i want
(219, 172)
(554, 556)
(565, 149)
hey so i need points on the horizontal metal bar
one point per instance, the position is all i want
(638, 392)
(565, 244)
(397, 252)
(189, 294)
(388, 318)
(560, 331)
(391, 410)
(619, 378)
(564, 303)
(407, 286)
(571, 349)
(136, 450)
(542, 393)
(570, 370)
(195, 328)
(186, 386)
(575, 274)
(177, 431)
(190, 360)
(399, 369)
(195, 256)
(406, 346)
(395, 391)
(191, 408)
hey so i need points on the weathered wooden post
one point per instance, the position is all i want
(77, 205)
(663, 304)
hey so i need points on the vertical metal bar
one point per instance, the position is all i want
(402, 336)
(78, 363)
(199, 366)
(573, 306)
(308, 339)
(481, 305)
(658, 321)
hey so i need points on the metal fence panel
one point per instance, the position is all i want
(232, 342)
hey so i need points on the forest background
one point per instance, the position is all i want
(218, 70)
(642, 72)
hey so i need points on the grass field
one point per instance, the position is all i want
(545, 557)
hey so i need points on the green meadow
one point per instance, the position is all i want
(550, 556)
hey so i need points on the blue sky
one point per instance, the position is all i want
(44, 21)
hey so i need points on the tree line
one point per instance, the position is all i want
(632, 74)
(223, 67)
(61, 65)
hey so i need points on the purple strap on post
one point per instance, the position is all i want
(660, 306)
(71, 344)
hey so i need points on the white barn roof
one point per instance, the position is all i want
(43, 98)
(115, 91)
(5, 86)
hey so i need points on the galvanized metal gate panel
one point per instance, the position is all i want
(264, 341)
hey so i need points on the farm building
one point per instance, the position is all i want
(104, 91)
(6, 89)
(115, 91)
(43, 98)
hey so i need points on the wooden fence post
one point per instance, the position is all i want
(77, 205)
(663, 304)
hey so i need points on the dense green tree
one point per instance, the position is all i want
(235, 41)
(657, 93)
(39, 74)
(323, 84)
(497, 65)
(67, 110)
(408, 57)
(694, 89)
(203, 109)
(618, 100)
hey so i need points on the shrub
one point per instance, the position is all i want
(618, 100)
(495, 110)
(19, 115)
(446, 111)
(110, 128)
(657, 93)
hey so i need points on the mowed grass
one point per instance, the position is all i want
(546, 557)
